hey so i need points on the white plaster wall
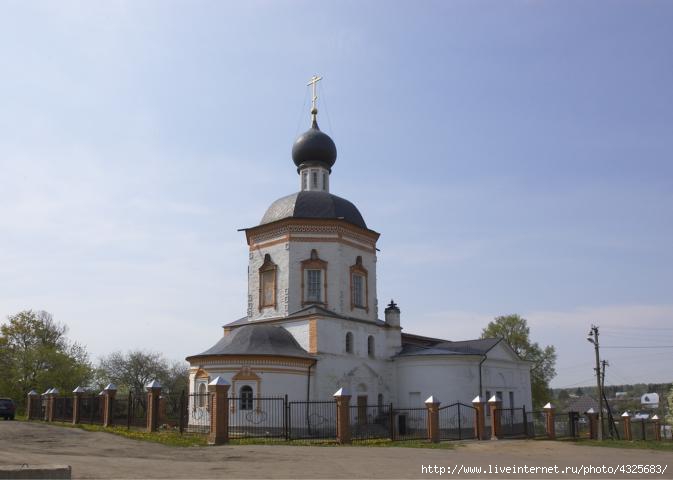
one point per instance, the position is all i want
(273, 384)
(340, 258)
(300, 332)
(450, 379)
(456, 379)
(361, 373)
(280, 256)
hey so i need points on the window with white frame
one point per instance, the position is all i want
(314, 285)
(314, 280)
(245, 398)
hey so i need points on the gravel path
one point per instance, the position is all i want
(103, 455)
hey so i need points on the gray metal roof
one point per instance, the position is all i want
(312, 204)
(301, 313)
(258, 339)
(466, 347)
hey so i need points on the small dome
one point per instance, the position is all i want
(314, 147)
(258, 339)
(313, 204)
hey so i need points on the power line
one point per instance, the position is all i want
(637, 346)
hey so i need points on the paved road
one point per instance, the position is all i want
(103, 455)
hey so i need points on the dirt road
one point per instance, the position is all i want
(103, 455)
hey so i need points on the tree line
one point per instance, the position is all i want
(35, 353)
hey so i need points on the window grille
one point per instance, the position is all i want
(314, 287)
(358, 291)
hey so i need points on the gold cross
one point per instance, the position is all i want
(314, 81)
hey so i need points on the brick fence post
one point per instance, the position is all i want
(479, 418)
(626, 421)
(33, 398)
(153, 393)
(343, 401)
(657, 427)
(432, 406)
(51, 404)
(495, 406)
(218, 389)
(77, 404)
(109, 395)
(593, 423)
(550, 423)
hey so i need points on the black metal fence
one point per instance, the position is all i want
(456, 422)
(312, 420)
(257, 417)
(63, 409)
(513, 422)
(136, 410)
(566, 424)
(91, 409)
(410, 423)
(198, 413)
(537, 423)
(371, 421)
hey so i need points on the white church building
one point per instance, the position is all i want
(312, 323)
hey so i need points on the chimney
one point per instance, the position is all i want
(392, 312)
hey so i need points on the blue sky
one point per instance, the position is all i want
(515, 155)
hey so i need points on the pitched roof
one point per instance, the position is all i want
(257, 339)
(445, 347)
(582, 404)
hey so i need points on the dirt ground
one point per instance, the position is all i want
(103, 455)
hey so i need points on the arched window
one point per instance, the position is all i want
(203, 395)
(379, 401)
(245, 398)
(370, 346)
(349, 342)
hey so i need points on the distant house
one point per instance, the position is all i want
(581, 404)
(650, 400)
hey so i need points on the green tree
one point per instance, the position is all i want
(36, 354)
(514, 330)
(132, 370)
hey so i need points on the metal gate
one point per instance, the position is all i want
(513, 423)
(456, 422)
(312, 420)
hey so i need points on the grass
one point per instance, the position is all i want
(175, 439)
(664, 445)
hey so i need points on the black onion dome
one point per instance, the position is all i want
(313, 204)
(314, 147)
(258, 340)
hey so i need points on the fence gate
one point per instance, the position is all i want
(513, 422)
(456, 421)
(137, 410)
(566, 424)
(311, 420)
(257, 417)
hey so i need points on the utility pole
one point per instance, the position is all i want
(593, 338)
